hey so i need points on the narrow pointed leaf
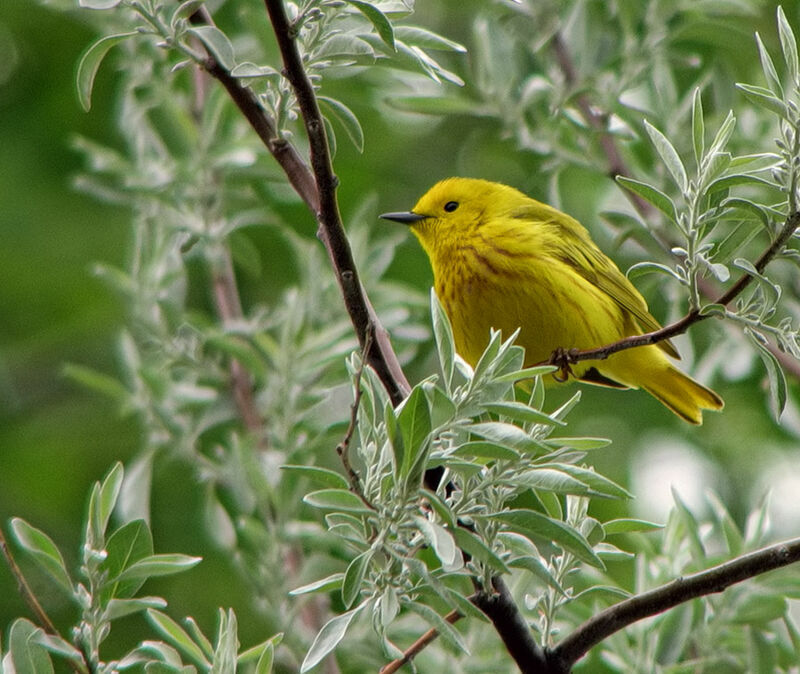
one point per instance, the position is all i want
(650, 194)
(535, 525)
(90, 62)
(43, 550)
(328, 637)
(177, 636)
(669, 155)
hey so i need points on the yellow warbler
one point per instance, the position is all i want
(503, 260)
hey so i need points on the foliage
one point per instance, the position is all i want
(247, 387)
(114, 566)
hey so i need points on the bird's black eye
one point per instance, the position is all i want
(450, 206)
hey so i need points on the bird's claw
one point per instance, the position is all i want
(563, 359)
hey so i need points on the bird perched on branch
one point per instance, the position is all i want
(503, 260)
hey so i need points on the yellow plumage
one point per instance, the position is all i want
(503, 260)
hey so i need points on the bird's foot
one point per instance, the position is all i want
(563, 359)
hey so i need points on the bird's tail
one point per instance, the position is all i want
(682, 394)
(648, 368)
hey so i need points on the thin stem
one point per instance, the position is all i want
(417, 647)
(625, 613)
(342, 449)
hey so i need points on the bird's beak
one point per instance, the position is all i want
(404, 217)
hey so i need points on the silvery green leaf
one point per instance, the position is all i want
(184, 11)
(90, 62)
(534, 565)
(420, 37)
(763, 98)
(127, 545)
(344, 115)
(441, 540)
(329, 636)
(642, 268)
(335, 499)
(520, 413)
(508, 435)
(414, 423)
(158, 565)
(44, 552)
(788, 45)
(354, 577)
(769, 68)
(177, 636)
(377, 18)
(650, 194)
(217, 43)
(326, 584)
(535, 525)
(698, 126)
(669, 155)
(723, 135)
(447, 632)
(322, 476)
(28, 656)
(118, 608)
(777, 379)
(472, 544)
(629, 525)
(445, 343)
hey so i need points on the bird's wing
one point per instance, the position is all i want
(591, 263)
(577, 250)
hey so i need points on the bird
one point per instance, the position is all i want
(503, 260)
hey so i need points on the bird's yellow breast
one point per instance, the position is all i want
(484, 287)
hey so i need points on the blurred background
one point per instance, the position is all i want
(56, 437)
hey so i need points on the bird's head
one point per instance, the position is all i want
(455, 209)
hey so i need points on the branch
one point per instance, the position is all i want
(381, 356)
(682, 325)
(322, 202)
(512, 627)
(229, 309)
(417, 647)
(625, 613)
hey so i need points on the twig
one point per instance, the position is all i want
(416, 648)
(30, 598)
(715, 579)
(682, 325)
(342, 449)
(229, 308)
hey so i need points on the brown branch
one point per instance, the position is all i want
(513, 629)
(229, 309)
(416, 648)
(625, 613)
(317, 188)
(30, 599)
(682, 325)
(381, 356)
